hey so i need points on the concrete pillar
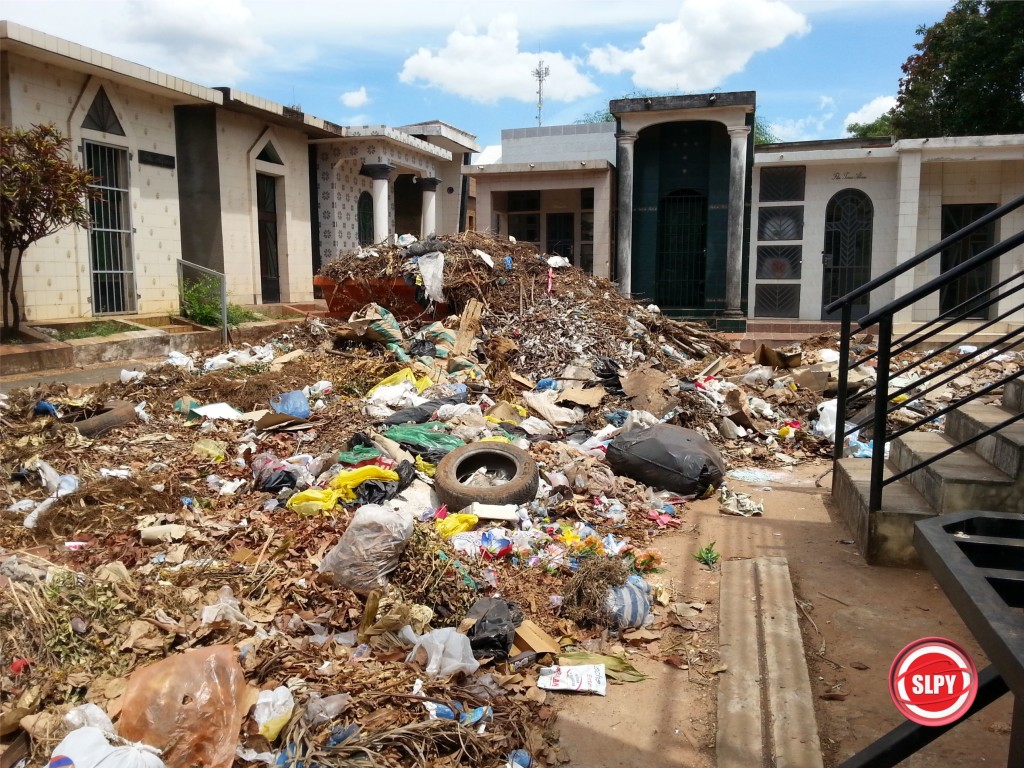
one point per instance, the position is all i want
(734, 247)
(379, 172)
(428, 215)
(908, 202)
(624, 237)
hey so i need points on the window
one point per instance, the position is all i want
(269, 154)
(777, 300)
(525, 227)
(528, 200)
(782, 223)
(364, 216)
(101, 116)
(779, 262)
(110, 237)
(782, 184)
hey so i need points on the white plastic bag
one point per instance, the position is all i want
(130, 376)
(272, 711)
(827, 419)
(585, 678)
(88, 715)
(369, 549)
(445, 651)
(88, 747)
(432, 270)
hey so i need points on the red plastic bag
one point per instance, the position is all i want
(190, 706)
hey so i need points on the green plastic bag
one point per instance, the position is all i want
(358, 454)
(427, 436)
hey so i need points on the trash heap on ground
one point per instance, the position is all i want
(379, 539)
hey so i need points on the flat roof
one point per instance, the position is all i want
(450, 137)
(553, 166)
(692, 101)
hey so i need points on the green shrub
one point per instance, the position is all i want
(200, 303)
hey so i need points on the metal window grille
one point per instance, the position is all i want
(977, 281)
(772, 300)
(781, 223)
(782, 184)
(110, 237)
(779, 262)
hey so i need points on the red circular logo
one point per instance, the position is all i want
(933, 681)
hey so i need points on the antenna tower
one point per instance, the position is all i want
(540, 73)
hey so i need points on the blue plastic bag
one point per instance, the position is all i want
(291, 403)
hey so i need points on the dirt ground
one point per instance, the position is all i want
(862, 617)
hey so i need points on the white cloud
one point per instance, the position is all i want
(808, 128)
(826, 102)
(871, 111)
(213, 42)
(704, 44)
(355, 99)
(361, 119)
(488, 66)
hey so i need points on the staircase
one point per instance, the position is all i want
(986, 474)
(977, 460)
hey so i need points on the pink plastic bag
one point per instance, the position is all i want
(189, 705)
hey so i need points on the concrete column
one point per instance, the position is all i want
(624, 237)
(428, 215)
(908, 206)
(734, 247)
(379, 172)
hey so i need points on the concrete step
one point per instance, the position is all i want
(1004, 449)
(765, 706)
(961, 481)
(887, 536)
(1013, 395)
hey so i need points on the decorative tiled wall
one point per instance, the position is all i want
(339, 185)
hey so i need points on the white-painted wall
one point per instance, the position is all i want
(240, 138)
(56, 272)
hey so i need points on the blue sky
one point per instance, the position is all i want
(814, 63)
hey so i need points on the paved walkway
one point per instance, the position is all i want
(94, 374)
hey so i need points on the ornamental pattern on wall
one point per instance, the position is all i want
(340, 184)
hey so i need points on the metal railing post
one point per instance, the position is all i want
(844, 377)
(224, 309)
(881, 411)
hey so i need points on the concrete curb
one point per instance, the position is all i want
(765, 709)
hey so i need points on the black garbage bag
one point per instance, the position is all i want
(422, 348)
(670, 457)
(495, 628)
(418, 414)
(379, 491)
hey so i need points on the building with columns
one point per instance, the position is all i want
(707, 225)
(258, 191)
(831, 215)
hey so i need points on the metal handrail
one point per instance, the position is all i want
(956, 318)
(222, 278)
(989, 254)
(887, 348)
(924, 255)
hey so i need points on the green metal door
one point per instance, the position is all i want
(681, 257)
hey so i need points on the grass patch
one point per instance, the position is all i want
(200, 303)
(99, 328)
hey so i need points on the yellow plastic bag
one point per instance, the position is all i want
(405, 374)
(494, 439)
(212, 449)
(345, 482)
(423, 382)
(425, 467)
(313, 500)
(457, 523)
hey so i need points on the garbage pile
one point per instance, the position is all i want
(377, 540)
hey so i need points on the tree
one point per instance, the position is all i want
(41, 192)
(967, 77)
(880, 126)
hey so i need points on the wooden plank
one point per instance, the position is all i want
(468, 327)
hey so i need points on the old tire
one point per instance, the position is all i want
(113, 414)
(511, 462)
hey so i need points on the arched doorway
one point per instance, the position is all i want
(681, 256)
(846, 254)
